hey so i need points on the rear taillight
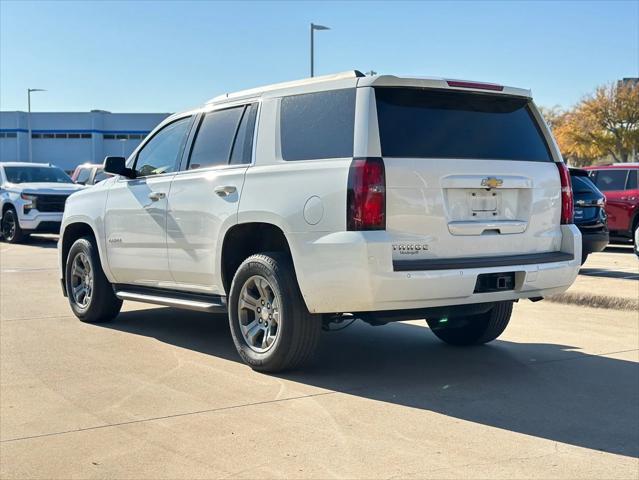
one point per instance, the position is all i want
(567, 206)
(366, 195)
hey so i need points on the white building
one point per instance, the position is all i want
(68, 139)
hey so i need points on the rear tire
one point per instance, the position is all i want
(11, 231)
(473, 329)
(271, 327)
(90, 294)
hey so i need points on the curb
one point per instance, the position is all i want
(596, 301)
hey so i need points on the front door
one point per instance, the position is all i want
(204, 197)
(135, 218)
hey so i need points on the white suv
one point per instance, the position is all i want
(301, 204)
(32, 197)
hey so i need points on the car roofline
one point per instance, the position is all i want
(360, 80)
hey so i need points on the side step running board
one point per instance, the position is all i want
(172, 298)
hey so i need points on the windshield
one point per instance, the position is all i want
(36, 175)
(419, 123)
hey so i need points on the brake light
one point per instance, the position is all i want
(478, 85)
(567, 206)
(366, 195)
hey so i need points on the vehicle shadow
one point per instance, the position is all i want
(598, 272)
(619, 248)
(544, 390)
(42, 241)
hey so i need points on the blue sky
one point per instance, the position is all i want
(165, 56)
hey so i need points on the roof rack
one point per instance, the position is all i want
(294, 83)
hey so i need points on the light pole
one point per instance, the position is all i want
(29, 90)
(313, 28)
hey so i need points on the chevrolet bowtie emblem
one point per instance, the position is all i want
(492, 182)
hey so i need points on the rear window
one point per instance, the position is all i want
(582, 184)
(421, 123)
(611, 180)
(318, 125)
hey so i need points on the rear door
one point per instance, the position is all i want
(467, 174)
(612, 182)
(205, 195)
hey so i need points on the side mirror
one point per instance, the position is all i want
(117, 166)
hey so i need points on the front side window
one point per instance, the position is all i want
(36, 174)
(611, 180)
(318, 125)
(422, 123)
(162, 153)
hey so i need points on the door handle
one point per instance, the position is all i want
(155, 196)
(225, 191)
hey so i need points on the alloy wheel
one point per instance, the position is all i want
(259, 314)
(81, 280)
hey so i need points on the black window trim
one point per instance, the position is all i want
(186, 160)
(143, 144)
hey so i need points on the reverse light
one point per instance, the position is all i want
(366, 195)
(567, 202)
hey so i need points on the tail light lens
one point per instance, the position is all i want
(567, 207)
(366, 195)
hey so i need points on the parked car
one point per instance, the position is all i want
(590, 213)
(299, 205)
(32, 197)
(619, 182)
(89, 174)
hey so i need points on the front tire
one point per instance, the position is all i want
(90, 294)
(473, 329)
(11, 231)
(271, 327)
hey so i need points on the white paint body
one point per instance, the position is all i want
(176, 242)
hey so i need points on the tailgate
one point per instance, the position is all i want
(467, 175)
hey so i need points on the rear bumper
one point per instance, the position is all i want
(353, 272)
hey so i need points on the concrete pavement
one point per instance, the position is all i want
(161, 393)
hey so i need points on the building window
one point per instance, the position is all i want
(8, 134)
(36, 135)
(123, 136)
(48, 135)
(86, 135)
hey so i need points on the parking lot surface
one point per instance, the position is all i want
(161, 393)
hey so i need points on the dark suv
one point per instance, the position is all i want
(590, 214)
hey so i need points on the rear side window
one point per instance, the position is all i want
(318, 125)
(611, 180)
(419, 123)
(632, 180)
(215, 138)
(243, 147)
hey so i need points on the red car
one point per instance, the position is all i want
(619, 183)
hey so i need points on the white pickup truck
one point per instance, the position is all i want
(297, 205)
